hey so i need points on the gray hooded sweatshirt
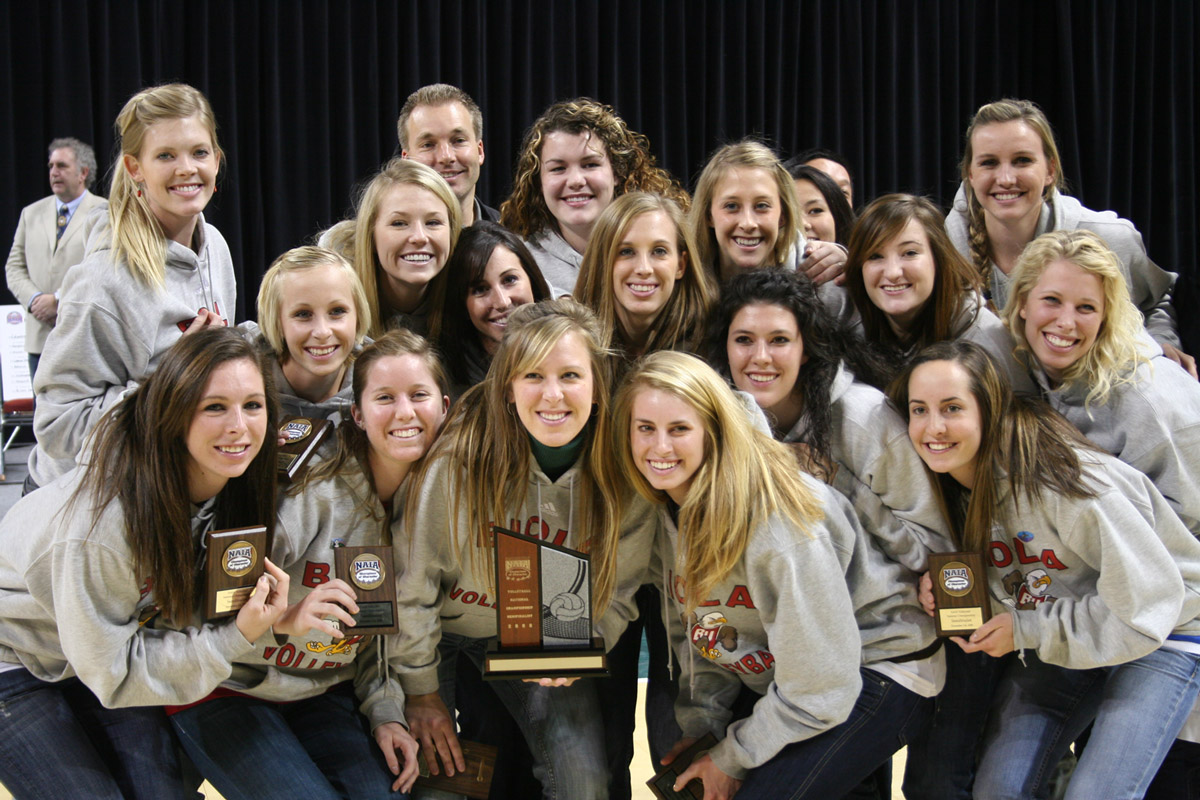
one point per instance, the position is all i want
(1151, 423)
(74, 605)
(558, 261)
(342, 508)
(111, 333)
(793, 622)
(1097, 581)
(880, 473)
(1149, 284)
(439, 590)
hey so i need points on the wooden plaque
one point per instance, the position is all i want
(663, 783)
(368, 569)
(518, 590)
(304, 435)
(543, 612)
(235, 563)
(960, 592)
(475, 781)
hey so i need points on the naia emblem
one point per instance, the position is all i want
(239, 558)
(367, 571)
(296, 429)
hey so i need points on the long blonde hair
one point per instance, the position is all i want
(488, 447)
(1115, 356)
(681, 321)
(746, 476)
(1006, 110)
(137, 236)
(365, 258)
(746, 154)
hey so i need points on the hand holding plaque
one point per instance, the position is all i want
(663, 782)
(235, 563)
(303, 436)
(543, 612)
(960, 592)
(369, 570)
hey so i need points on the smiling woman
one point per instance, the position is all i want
(254, 743)
(100, 569)
(739, 528)
(575, 159)
(405, 228)
(529, 449)
(313, 314)
(1081, 337)
(490, 274)
(1012, 476)
(640, 276)
(912, 288)
(147, 275)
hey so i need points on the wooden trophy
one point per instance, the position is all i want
(960, 592)
(474, 782)
(663, 782)
(543, 612)
(369, 570)
(304, 436)
(235, 563)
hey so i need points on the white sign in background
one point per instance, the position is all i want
(14, 362)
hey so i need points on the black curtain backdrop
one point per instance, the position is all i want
(306, 93)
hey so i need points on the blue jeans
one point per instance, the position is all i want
(483, 718)
(316, 748)
(1138, 709)
(562, 724)
(57, 741)
(620, 689)
(885, 716)
(941, 760)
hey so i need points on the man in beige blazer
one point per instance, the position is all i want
(50, 239)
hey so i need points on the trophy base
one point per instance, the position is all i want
(508, 663)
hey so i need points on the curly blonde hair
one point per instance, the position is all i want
(525, 212)
(1115, 356)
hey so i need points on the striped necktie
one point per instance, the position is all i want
(62, 222)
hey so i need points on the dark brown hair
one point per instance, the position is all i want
(954, 281)
(141, 460)
(1023, 441)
